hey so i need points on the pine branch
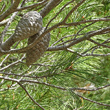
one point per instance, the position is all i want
(92, 100)
(10, 10)
(85, 37)
(32, 6)
(52, 4)
(30, 95)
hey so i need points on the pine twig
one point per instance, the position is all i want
(30, 95)
(92, 100)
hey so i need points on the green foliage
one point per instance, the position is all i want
(62, 68)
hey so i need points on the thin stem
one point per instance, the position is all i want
(30, 96)
(92, 100)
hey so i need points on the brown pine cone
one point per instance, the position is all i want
(30, 24)
(33, 54)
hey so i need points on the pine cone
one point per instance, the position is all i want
(33, 54)
(30, 24)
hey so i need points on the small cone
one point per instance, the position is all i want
(33, 54)
(30, 24)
